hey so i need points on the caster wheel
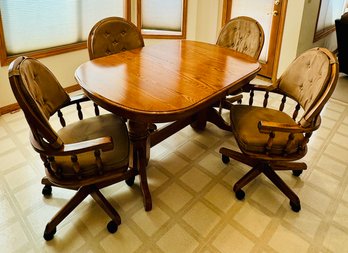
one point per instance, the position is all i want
(130, 181)
(240, 194)
(49, 235)
(295, 207)
(225, 159)
(112, 227)
(297, 173)
(47, 190)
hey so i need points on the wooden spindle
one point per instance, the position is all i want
(76, 165)
(305, 141)
(79, 111)
(251, 98)
(54, 168)
(282, 104)
(61, 118)
(269, 142)
(288, 144)
(96, 109)
(265, 100)
(297, 109)
(98, 161)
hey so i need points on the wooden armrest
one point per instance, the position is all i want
(259, 87)
(78, 99)
(235, 98)
(267, 127)
(103, 143)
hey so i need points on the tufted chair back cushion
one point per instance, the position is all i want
(243, 34)
(113, 35)
(42, 86)
(39, 95)
(306, 78)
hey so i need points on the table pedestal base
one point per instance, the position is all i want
(139, 157)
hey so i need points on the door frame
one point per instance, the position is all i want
(270, 68)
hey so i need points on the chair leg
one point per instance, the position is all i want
(281, 165)
(105, 204)
(79, 196)
(238, 157)
(297, 168)
(294, 199)
(246, 179)
(266, 169)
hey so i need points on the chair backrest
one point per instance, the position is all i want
(39, 95)
(243, 34)
(113, 35)
(310, 80)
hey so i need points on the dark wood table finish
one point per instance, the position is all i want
(174, 81)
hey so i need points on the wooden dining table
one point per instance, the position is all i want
(176, 81)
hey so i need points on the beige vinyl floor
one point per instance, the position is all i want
(194, 209)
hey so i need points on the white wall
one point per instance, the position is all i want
(291, 35)
(308, 30)
(204, 23)
(61, 65)
(209, 17)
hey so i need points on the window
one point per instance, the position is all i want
(329, 10)
(45, 27)
(162, 19)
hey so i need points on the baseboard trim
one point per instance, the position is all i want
(15, 107)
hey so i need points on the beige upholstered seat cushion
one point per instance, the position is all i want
(244, 122)
(91, 128)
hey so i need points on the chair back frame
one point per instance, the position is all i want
(240, 34)
(113, 35)
(38, 121)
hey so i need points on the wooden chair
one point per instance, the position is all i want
(85, 156)
(242, 34)
(272, 139)
(113, 35)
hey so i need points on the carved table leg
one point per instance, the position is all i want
(140, 153)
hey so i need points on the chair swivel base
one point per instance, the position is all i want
(79, 196)
(264, 168)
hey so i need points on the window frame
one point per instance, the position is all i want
(6, 59)
(322, 33)
(159, 34)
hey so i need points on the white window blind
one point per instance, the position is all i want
(164, 15)
(31, 25)
(329, 11)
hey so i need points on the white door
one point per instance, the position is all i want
(271, 15)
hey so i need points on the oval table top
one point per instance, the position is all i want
(166, 81)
